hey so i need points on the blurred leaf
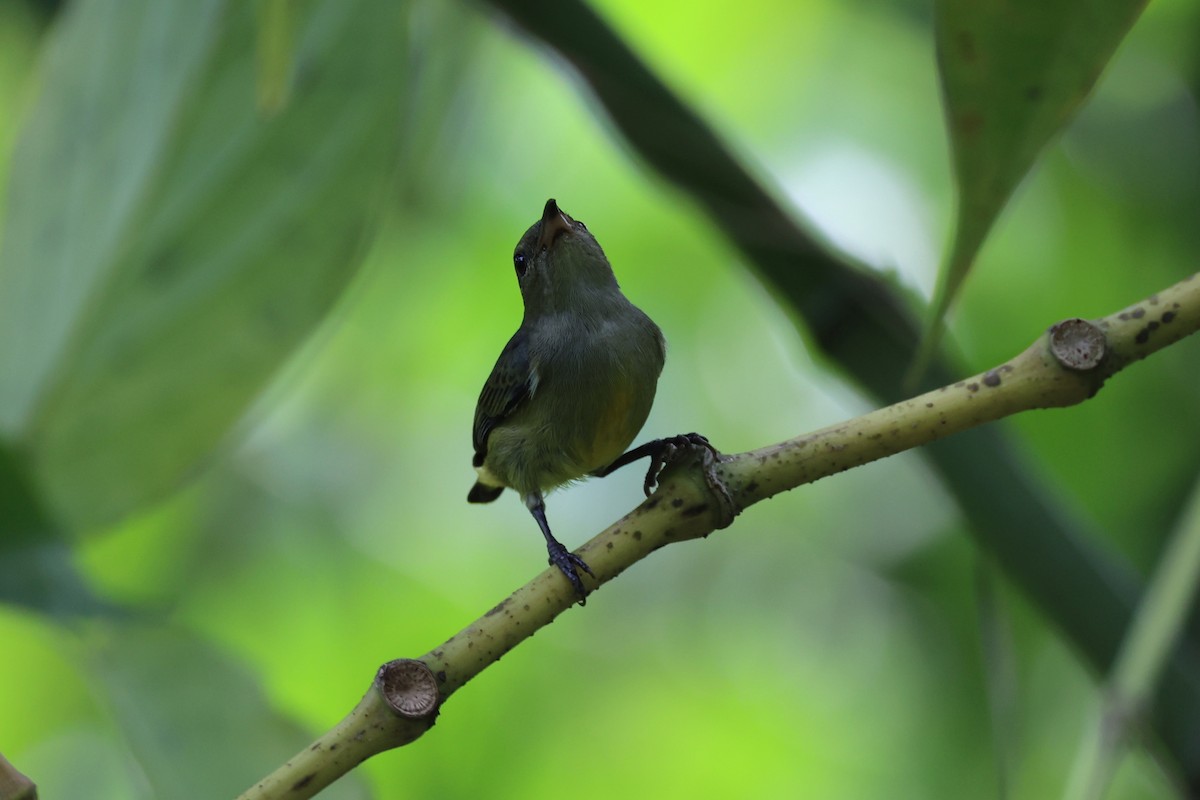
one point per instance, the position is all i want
(37, 569)
(166, 247)
(275, 53)
(1013, 74)
(1153, 634)
(41, 575)
(174, 696)
(865, 325)
(1000, 673)
(22, 517)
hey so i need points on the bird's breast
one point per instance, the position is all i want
(615, 426)
(600, 380)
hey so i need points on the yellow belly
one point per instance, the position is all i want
(532, 452)
(614, 431)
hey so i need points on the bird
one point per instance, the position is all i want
(573, 386)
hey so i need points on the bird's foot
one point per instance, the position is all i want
(675, 448)
(568, 563)
(686, 446)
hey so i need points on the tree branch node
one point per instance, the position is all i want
(409, 688)
(1078, 344)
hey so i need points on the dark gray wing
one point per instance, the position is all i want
(510, 384)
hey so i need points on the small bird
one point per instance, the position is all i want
(574, 384)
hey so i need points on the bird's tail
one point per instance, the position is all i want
(484, 494)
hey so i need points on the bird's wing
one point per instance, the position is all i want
(511, 383)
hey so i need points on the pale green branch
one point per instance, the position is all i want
(13, 784)
(1066, 365)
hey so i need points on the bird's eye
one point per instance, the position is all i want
(519, 264)
(581, 224)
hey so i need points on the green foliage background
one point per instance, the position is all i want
(178, 621)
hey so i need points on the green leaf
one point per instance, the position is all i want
(37, 569)
(1154, 632)
(999, 673)
(167, 243)
(196, 724)
(1013, 73)
(274, 53)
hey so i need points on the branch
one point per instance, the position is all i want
(1065, 366)
(13, 784)
(865, 325)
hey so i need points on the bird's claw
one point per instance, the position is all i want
(671, 449)
(694, 444)
(567, 563)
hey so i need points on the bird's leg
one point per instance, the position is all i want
(560, 556)
(662, 452)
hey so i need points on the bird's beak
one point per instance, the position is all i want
(554, 222)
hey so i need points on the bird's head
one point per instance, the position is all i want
(561, 266)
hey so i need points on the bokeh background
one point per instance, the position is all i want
(829, 644)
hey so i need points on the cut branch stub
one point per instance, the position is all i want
(14, 785)
(1077, 344)
(409, 688)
